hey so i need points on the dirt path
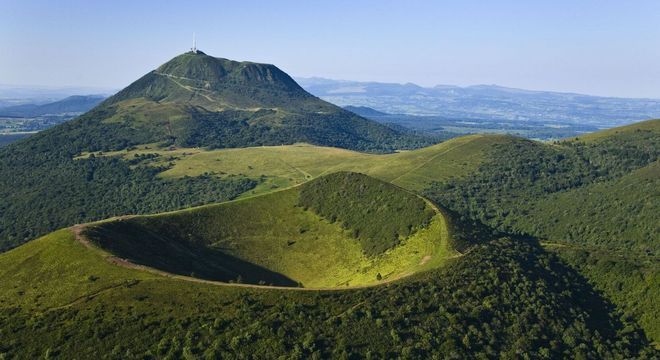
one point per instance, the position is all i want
(425, 259)
(192, 89)
(429, 160)
(203, 92)
(86, 297)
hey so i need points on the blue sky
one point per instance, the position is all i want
(596, 47)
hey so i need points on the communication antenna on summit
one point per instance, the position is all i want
(194, 47)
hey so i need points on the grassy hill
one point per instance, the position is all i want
(283, 166)
(648, 126)
(60, 298)
(572, 190)
(284, 239)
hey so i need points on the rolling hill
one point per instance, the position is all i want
(593, 200)
(106, 298)
(148, 179)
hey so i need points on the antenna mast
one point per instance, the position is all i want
(194, 47)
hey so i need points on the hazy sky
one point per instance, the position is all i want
(597, 47)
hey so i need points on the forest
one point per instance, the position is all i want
(378, 214)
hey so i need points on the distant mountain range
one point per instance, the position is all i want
(11, 95)
(72, 104)
(484, 102)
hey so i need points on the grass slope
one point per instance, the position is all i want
(67, 191)
(632, 129)
(272, 239)
(283, 166)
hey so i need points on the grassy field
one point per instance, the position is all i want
(271, 239)
(288, 165)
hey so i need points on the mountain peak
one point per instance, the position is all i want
(216, 70)
(196, 99)
(198, 79)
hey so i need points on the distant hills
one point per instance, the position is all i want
(37, 114)
(365, 111)
(72, 104)
(484, 102)
(11, 95)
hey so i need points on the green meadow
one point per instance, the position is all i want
(288, 165)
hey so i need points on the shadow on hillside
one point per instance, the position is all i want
(564, 283)
(575, 291)
(164, 252)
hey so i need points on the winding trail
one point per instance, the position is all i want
(429, 160)
(91, 296)
(194, 90)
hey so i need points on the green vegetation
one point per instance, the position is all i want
(38, 198)
(505, 298)
(598, 194)
(95, 187)
(6, 139)
(614, 214)
(450, 286)
(378, 214)
(270, 239)
(630, 280)
(546, 190)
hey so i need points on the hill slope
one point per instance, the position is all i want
(504, 296)
(61, 191)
